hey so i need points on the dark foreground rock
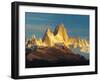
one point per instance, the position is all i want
(54, 56)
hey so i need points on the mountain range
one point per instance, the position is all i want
(60, 36)
(55, 49)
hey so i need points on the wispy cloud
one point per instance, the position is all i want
(38, 30)
(37, 23)
(35, 28)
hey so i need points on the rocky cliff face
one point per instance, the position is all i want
(61, 31)
(60, 36)
(48, 38)
(54, 49)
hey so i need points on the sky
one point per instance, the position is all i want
(37, 23)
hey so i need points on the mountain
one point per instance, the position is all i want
(79, 43)
(48, 38)
(60, 36)
(36, 41)
(56, 49)
(61, 31)
(54, 56)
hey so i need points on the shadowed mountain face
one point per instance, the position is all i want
(53, 56)
(55, 49)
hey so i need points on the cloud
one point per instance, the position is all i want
(38, 28)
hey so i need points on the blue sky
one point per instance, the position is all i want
(37, 23)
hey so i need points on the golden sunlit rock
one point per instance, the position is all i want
(61, 31)
(60, 36)
(48, 38)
